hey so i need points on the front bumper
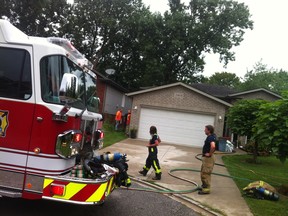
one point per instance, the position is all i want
(79, 190)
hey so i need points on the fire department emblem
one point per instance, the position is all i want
(3, 122)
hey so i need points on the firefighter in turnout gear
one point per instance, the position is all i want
(152, 159)
(208, 159)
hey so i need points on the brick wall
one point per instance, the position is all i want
(259, 95)
(179, 98)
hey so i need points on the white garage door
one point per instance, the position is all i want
(175, 127)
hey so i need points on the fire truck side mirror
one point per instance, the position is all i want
(69, 85)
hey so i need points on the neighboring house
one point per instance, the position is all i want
(112, 96)
(260, 93)
(181, 111)
(231, 95)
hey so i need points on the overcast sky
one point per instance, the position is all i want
(267, 41)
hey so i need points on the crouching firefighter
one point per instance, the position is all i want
(152, 159)
(114, 160)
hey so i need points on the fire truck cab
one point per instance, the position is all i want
(48, 112)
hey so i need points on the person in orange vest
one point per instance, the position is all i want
(128, 117)
(118, 118)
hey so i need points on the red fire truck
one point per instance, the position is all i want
(48, 112)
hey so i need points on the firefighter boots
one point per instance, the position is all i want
(143, 172)
(203, 191)
(157, 176)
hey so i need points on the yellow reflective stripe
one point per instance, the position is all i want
(70, 190)
(47, 182)
(97, 195)
(152, 150)
(110, 185)
(206, 190)
(157, 169)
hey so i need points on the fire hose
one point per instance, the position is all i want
(196, 187)
(259, 191)
(108, 162)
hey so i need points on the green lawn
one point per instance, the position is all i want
(111, 136)
(270, 170)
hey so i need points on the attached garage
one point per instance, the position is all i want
(179, 111)
(175, 127)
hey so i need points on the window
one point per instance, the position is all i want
(15, 73)
(52, 70)
(92, 99)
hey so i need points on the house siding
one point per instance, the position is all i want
(113, 100)
(179, 98)
(101, 89)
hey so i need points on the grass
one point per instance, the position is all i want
(268, 169)
(111, 136)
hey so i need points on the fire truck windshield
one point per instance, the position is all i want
(64, 82)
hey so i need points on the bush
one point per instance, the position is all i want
(133, 133)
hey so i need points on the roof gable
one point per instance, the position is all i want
(179, 84)
(254, 91)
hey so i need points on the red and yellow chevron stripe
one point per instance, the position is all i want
(81, 192)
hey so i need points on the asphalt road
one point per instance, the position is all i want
(119, 203)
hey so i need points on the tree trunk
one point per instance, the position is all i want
(255, 152)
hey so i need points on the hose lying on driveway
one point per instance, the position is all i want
(169, 191)
(159, 189)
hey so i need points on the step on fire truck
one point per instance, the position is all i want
(48, 114)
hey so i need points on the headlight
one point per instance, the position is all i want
(68, 143)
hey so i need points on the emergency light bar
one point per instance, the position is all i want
(72, 52)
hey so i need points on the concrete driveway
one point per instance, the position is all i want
(225, 195)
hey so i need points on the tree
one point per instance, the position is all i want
(108, 35)
(242, 117)
(148, 49)
(263, 77)
(271, 126)
(145, 49)
(224, 79)
(190, 31)
(35, 18)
